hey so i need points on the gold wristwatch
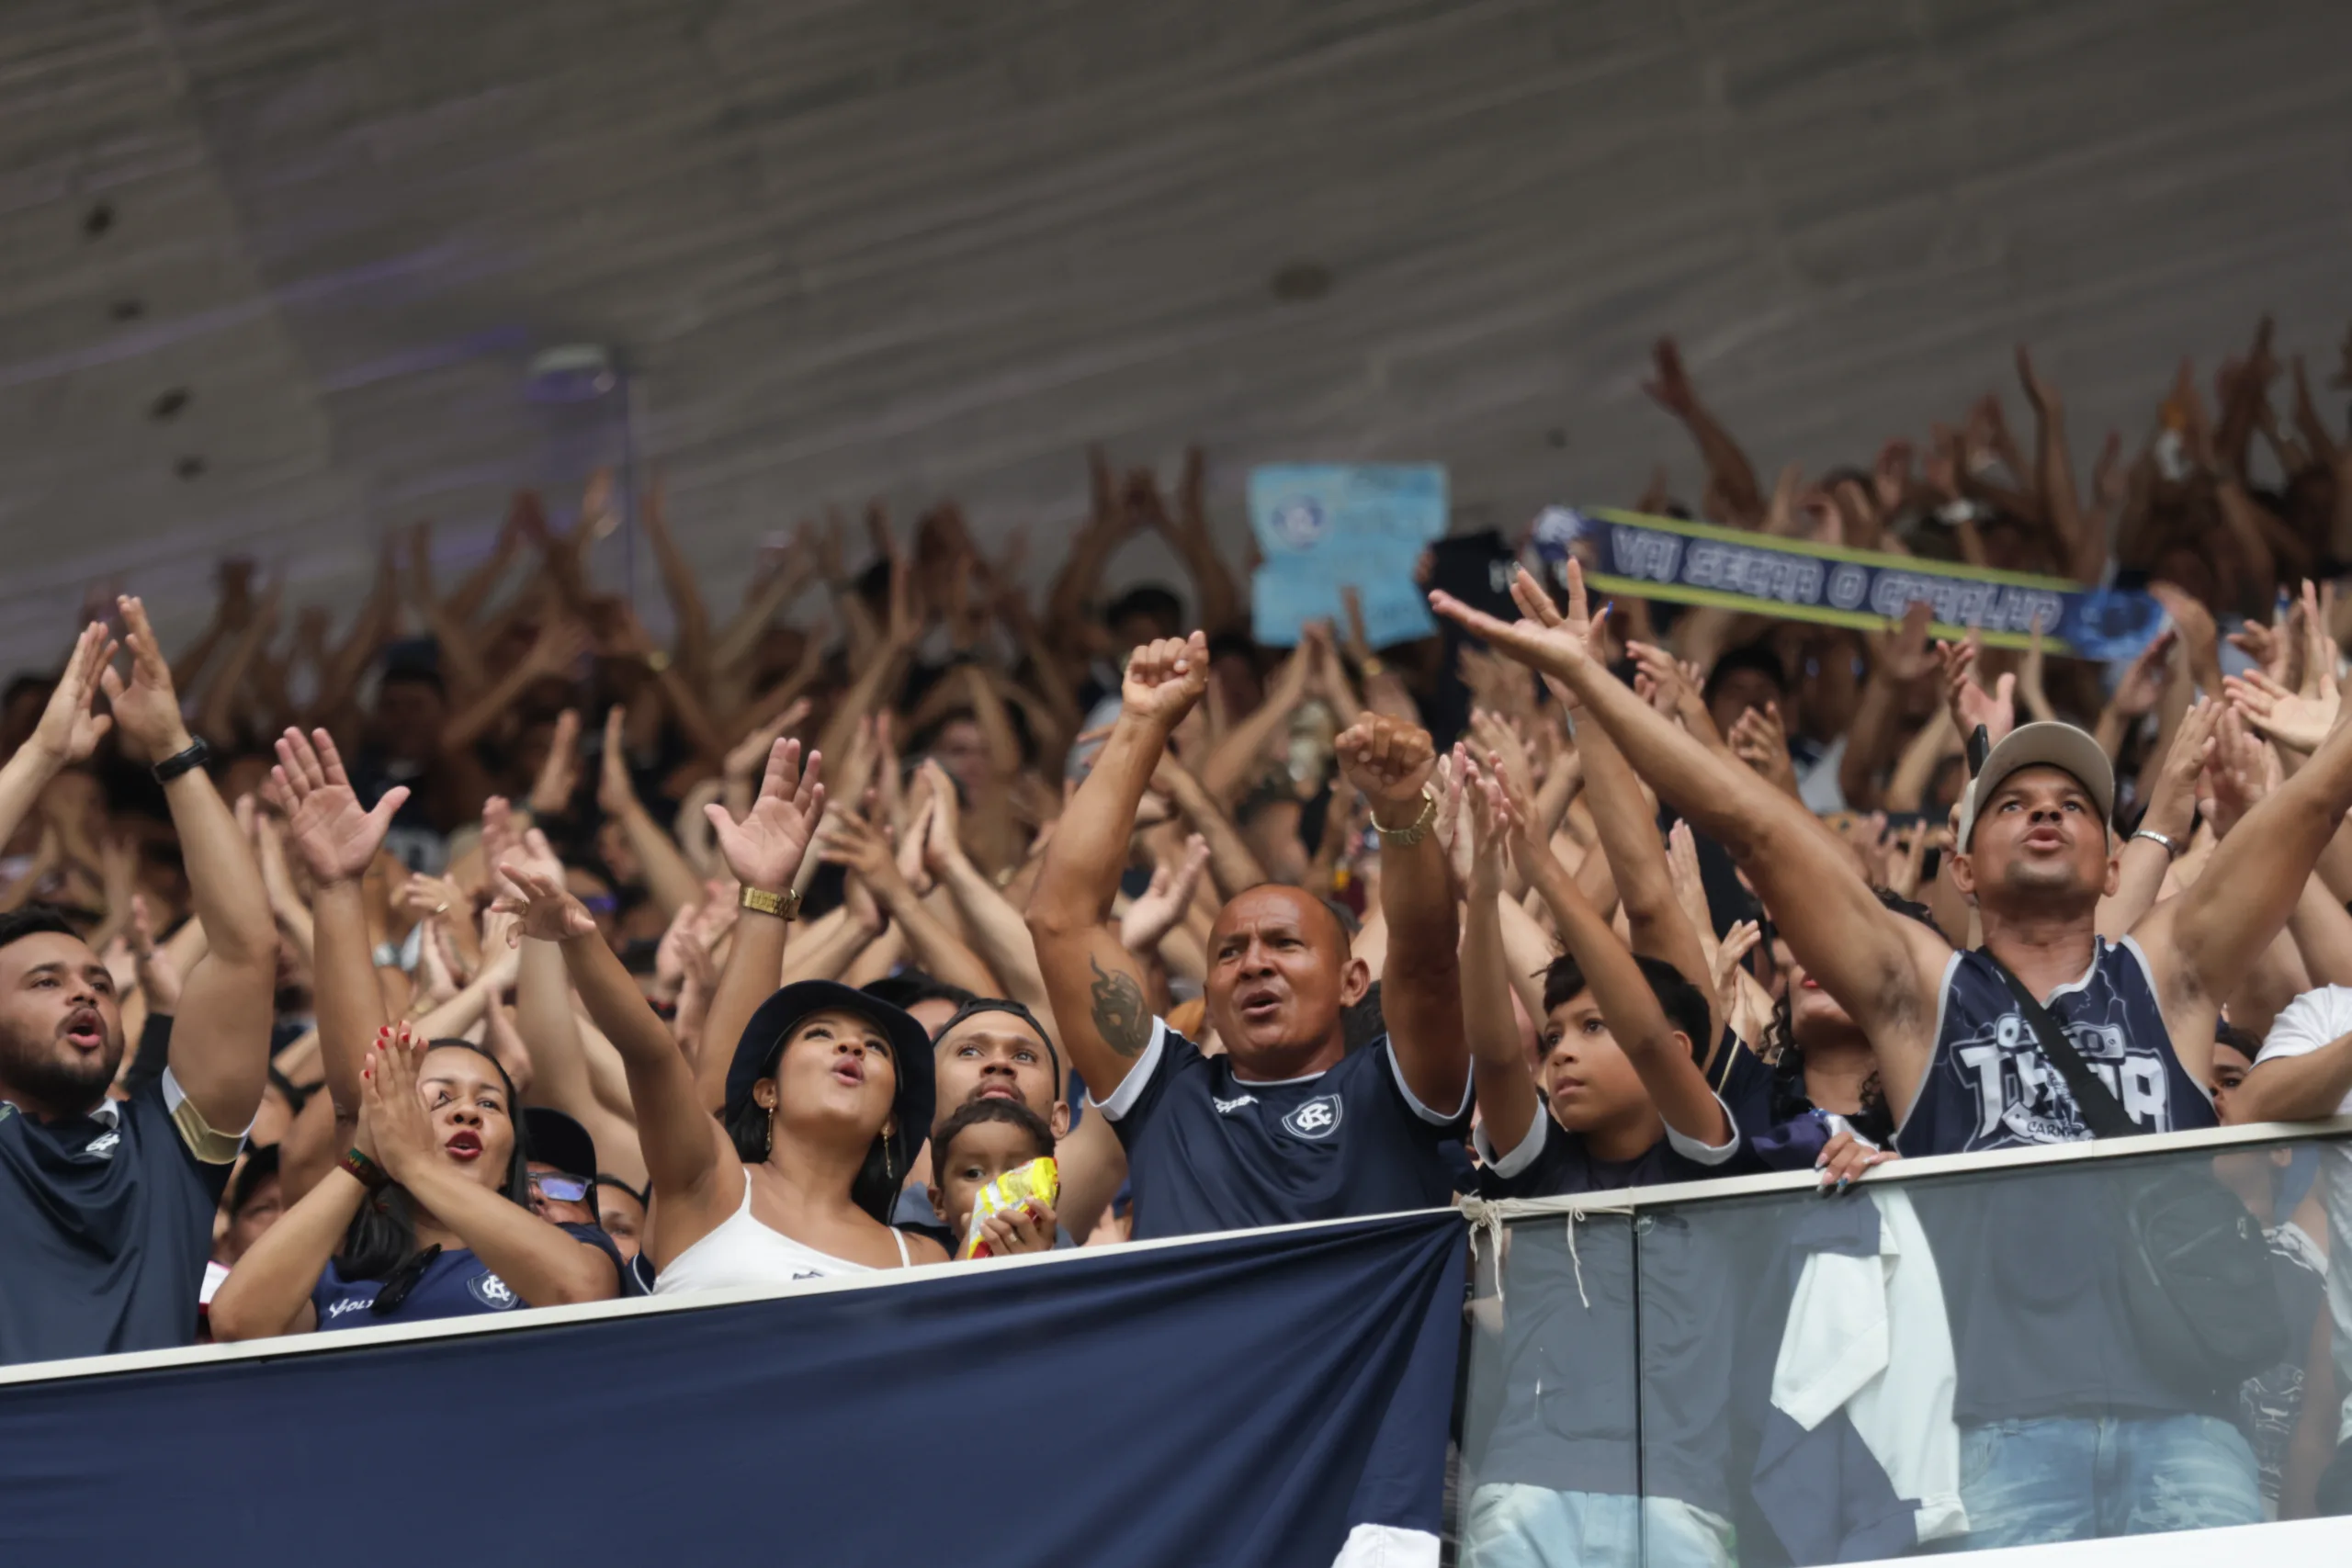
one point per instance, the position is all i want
(1419, 828)
(762, 902)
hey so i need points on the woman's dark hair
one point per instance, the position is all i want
(1786, 1057)
(382, 1235)
(751, 1129)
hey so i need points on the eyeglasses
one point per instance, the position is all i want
(562, 1188)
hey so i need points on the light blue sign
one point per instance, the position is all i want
(1325, 526)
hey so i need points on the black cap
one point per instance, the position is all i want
(552, 1139)
(763, 1042)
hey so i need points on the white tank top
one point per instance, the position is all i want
(741, 1251)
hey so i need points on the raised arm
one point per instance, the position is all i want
(2201, 944)
(668, 878)
(764, 852)
(997, 932)
(1668, 1063)
(1729, 473)
(1233, 865)
(220, 1035)
(1882, 967)
(1507, 1098)
(1392, 763)
(337, 841)
(68, 731)
(1096, 985)
(687, 1155)
(1629, 838)
(685, 593)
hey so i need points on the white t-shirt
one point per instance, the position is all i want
(2310, 1021)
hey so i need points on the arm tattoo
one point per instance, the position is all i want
(1119, 1014)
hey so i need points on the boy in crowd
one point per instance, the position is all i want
(1616, 1098)
(982, 1141)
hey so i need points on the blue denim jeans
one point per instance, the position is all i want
(2083, 1479)
(1509, 1526)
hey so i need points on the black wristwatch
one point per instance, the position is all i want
(195, 756)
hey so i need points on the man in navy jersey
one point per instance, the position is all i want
(2070, 1430)
(106, 1205)
(1287, 1124)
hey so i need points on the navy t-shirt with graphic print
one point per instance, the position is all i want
(454, 1284)
(2032, 1261)
(1207, 1151)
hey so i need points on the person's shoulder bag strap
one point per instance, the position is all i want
(2102, 1112)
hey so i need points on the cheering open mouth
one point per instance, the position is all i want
(464, 1143)
(85, 1030)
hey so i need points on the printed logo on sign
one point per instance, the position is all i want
(1227, 1107)
(1316, 1120)
(1298, 522)
(494, 1292)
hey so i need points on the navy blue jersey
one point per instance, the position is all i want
(1988, 1086)
(2032, 1261)
(1551, 1160)
(106, 1221)
(454, 1284)
(1617, 1348)
(1207, 1151)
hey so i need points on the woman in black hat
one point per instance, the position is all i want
(828, 1092)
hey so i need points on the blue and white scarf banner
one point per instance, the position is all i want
(1699, 563)
(1264, 1398)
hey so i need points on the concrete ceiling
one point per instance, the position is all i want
(913, 248)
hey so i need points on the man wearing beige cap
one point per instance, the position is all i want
(2074, 1425)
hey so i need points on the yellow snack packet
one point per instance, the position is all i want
(1037, 1180)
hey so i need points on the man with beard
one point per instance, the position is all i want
(1288, 1124)
(107, 1205)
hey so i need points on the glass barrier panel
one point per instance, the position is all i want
(1999, 1357)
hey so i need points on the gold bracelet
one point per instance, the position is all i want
(1421, 828)
(761, 901)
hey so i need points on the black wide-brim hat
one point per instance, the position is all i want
(772, 1025)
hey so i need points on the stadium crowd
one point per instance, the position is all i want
(487, 953)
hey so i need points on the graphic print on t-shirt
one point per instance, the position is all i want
(1990, 1086)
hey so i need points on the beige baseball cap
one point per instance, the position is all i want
(2045, 745)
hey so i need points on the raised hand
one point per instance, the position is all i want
(2145, 678)
(559, 774)
(146, 706)
(2172, 796)
(542, 908)
(1162, 907)
(942, 843)
(1164, 679)
(391, 1110)
(2286, 716)
(2237, 775)
(1492, 828)
(861, 847)
(615, 795)
(1970, 704)
(69, 731)
(1759, 740)
(1543, 639)
(765, 851)
(1391, 762)
(336, 837)
(1671, 386)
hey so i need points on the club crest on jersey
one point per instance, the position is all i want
(494, 1292)
(1316, 1120)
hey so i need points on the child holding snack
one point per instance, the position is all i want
(982, 1141)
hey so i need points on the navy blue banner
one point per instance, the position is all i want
(1699, 563)
(1250, 1399)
